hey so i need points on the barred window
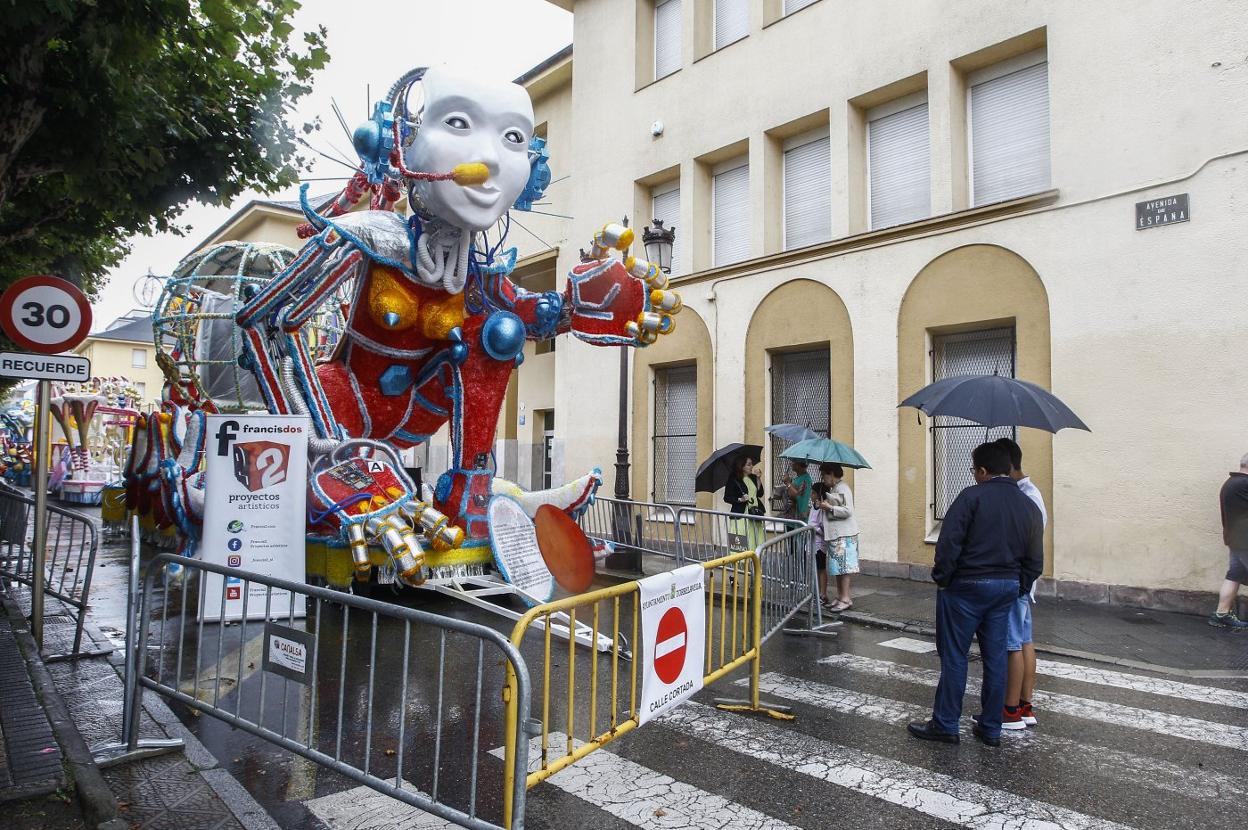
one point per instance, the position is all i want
(675, 434)
(984, 352)
(801, 393)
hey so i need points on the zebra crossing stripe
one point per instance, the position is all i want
(1145, 720)
(363, 808)
(941, 796)
(645, 798)
(1140, 683)
(1114, 764)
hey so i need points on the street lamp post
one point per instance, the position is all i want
(658, 242)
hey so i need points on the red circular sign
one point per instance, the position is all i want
(45, 314)
(670, 645)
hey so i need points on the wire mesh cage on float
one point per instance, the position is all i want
(194, 320)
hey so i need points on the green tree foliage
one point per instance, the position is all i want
(114, 113)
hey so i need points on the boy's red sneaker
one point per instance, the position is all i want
(1012, 718)
(1025, 712)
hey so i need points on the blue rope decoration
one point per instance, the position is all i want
(349, 501)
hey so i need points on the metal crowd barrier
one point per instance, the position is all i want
(690, 534)
(733, 639)
(709, 534)
(226, 671)
(645, 526)
(72, 543)
(789, 581)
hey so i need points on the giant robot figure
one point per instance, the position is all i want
(434, 327)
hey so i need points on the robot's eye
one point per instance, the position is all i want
(457, 122)
(514, 136)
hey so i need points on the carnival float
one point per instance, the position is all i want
(383, 328)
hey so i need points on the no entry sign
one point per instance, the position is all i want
(45, 314)
(673, 634)
(671, 645)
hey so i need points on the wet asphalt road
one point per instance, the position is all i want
(1112, 749)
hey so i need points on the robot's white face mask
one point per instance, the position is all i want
(463, 121)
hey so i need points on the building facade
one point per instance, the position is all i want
(869, 197)
(126, 348)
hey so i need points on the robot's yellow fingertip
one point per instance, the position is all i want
(626, 240)
(470, 173)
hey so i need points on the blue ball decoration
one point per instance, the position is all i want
(503, 336)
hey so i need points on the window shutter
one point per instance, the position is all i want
(731, 218)
(899, 161)
(666, 38)
(732, 21)
(1010, 135)
(675, 434)
(665, 207)
(807, 194)
(791, 6)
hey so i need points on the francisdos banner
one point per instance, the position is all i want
(254, 511)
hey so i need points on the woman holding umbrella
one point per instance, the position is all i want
(833, 514)
(742, 495)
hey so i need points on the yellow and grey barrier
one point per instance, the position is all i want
(734, 594)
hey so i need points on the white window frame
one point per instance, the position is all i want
(790, 143)
(663, 190)
(892, 108)
(679, 37)
(138, 354)
(724, 167)
(745, 6)
(989, 73)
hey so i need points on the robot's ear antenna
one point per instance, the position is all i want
(408, 78)
(539, 175)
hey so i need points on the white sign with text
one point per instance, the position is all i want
(255, 515)
(673, 636)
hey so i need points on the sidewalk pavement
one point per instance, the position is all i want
(1159, 641)
(82, 702)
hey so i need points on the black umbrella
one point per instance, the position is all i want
(716, 470)
(995, 401)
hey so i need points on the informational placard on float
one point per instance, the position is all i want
(673, 637)
(513, 538)
(255, 511)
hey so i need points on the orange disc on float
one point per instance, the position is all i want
(566, 549)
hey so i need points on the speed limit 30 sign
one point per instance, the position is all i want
(45, 314)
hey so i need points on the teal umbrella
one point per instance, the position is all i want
(826, 449)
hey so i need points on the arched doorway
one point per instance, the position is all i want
(974, 309)
(799, 366)
(673, 413)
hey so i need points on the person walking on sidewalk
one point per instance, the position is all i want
(1020, 681)
(1234, 498)
(840, 533)
(744, 494)
(989, 553)
(797, 486)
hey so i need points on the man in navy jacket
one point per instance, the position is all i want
(989, 553)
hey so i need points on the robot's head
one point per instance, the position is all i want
(464, 120)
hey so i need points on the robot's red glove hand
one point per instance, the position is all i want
(619, 303)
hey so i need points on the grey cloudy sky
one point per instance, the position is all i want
(371, 43)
